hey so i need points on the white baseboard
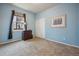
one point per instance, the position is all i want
(62, 43)
(9, 41)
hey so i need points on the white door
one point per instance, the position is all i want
(40, 28)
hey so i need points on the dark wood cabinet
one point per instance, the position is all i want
(27, 35)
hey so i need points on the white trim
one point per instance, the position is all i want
(9, 41)
(62, 43)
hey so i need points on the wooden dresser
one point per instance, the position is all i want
(27, 35)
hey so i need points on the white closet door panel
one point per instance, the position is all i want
(40, 28)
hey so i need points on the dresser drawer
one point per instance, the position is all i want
(27, 35)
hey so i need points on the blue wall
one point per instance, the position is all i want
(0, 21)
(78, 22)
(5, 14)
(77, 31)
(66, 35)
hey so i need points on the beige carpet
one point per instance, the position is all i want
(37, 47)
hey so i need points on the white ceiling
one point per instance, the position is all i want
(35, 7)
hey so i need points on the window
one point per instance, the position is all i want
(18, 22)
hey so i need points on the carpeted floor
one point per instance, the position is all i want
(37, 47)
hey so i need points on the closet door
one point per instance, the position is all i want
(40, 28)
